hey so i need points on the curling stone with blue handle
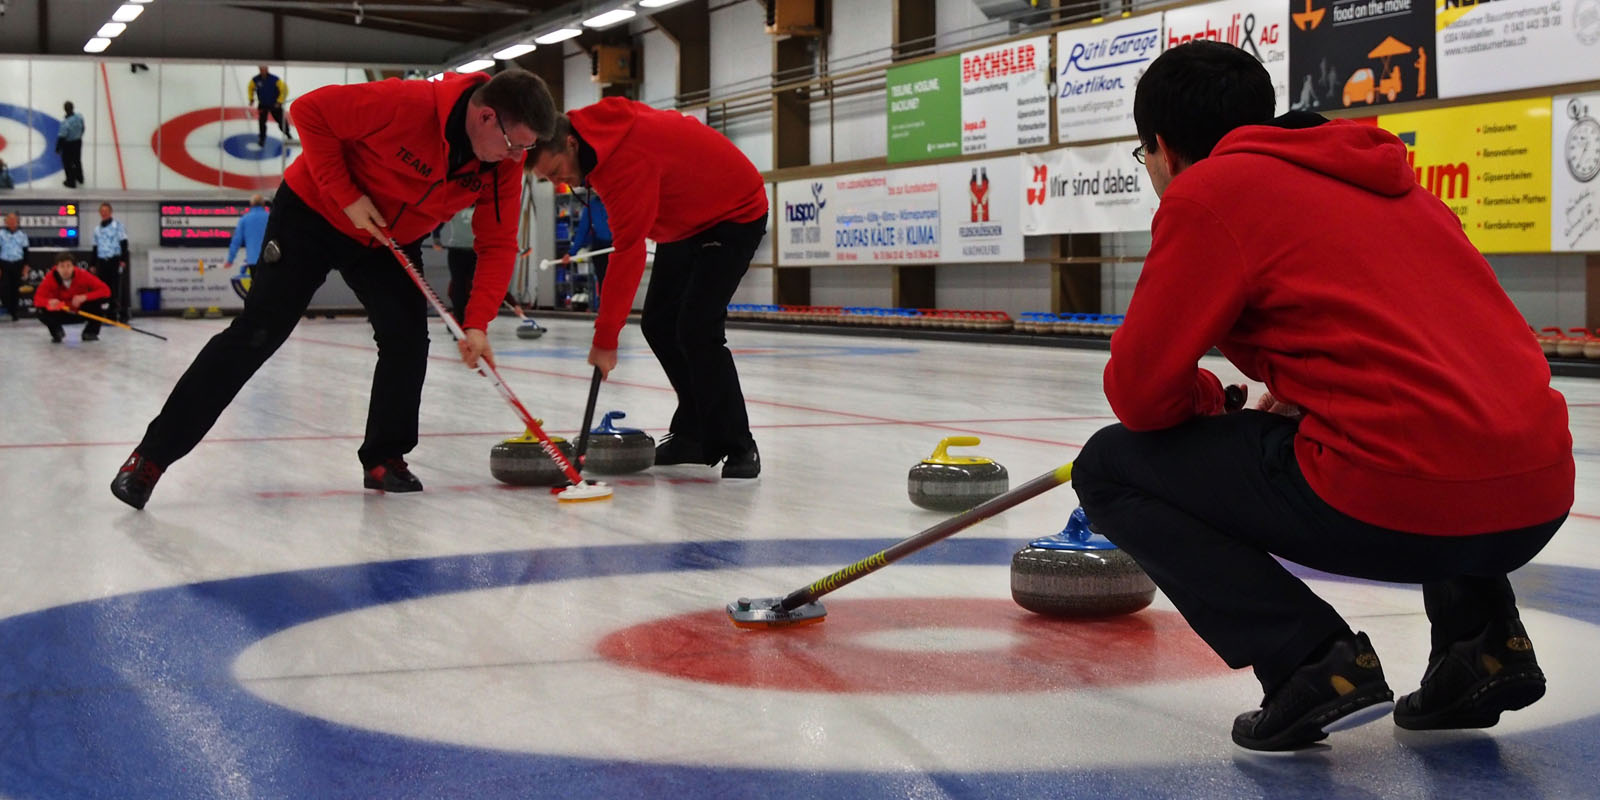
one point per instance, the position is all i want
(943, 482)
(617, 451)
(1078, 573)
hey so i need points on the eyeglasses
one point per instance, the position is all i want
(1139, 153)
(515, 148)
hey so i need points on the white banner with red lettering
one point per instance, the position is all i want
(1259, 27)
(981, 211)
(1096, 189)
(1005, 96)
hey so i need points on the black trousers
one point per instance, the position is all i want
(10, 286)
(280, 291)
(685, 323)
(55, 319)
(276, 112)
(72, 161)
(463, 263)
(1205, 506)
(118, 280)
(600, 263)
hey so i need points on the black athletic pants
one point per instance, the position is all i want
(10, 287)
(55, 319)
(463, 263)
(72, 161)
(280, 291)
(117, 279)
(685, 319)
(1205, 506)
(276, 112)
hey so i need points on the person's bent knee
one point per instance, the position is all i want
(1095, 460)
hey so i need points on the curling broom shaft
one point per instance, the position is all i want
(945, 529)
(103, 320)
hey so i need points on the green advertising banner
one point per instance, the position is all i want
(925, 109)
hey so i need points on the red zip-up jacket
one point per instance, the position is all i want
(84, 282)
(664, 176)
(1316, 264)
(387, 140)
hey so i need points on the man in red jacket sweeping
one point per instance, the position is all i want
(670, 178)
(68, 289)
(387, 159)
(1305, 251)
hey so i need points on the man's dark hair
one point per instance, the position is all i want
(558, 137)
(68, 106)
(1195, 93)
(520, 98)
(65, 257)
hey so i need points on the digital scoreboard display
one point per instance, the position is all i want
(203, 224)
(48, 223)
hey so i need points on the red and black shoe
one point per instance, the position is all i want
(136, 480)
(391, 476)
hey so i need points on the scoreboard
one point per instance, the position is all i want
(202, 224)
(48, 223)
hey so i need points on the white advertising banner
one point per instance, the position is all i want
(1098, 68)
(887, 217)
(1259, 27)
(981, 210)
(1005, 96)
(1575, 173)
(1096, 189)
(190, 277)
(805, 211)
(1516, 44)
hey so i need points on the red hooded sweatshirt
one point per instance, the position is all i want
(664, 176)
(387, 140)
(84, 282)
(1316, 264)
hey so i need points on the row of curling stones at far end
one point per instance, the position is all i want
(1078, 573)
(522, 461)
(943, 482)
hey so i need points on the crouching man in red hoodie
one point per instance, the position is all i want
(1305, 251)
(389, 159)
(668, 177)
(65, 290)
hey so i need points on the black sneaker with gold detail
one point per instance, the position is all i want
(1344, 680)
(1472, 682)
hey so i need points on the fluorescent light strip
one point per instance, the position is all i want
(610, 18)
(111, 30)
(559, 35)
(475, 65)
(127, 13)
(657, 3)
(513, 51)
(96, 45)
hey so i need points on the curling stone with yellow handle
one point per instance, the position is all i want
(522, 461)
(943, 482)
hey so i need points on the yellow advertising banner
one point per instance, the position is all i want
(1490, 163)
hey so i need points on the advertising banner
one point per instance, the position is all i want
(1096, 189)
(1516, 44)
(1575, 175)
(924, 116)
(1490, 164)
(887, 217)
(1098, 68)
(1005, 96)
(193, 278)
(804, 213)
(1346, 53)
(980, 210)
(1259, 27)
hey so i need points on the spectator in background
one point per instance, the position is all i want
(5, 176)
(455, 238)
(251, 232)
(592, 233)
(67, 287)
(69, 145)
(267, 93)
(13, 264)
(111, 260)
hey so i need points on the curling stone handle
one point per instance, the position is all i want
(606, 425)
(939, 453)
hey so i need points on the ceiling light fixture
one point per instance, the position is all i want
(559, 35)
(127, 13)
(111, 30)
(514, 51)
(475, 65)
(96, 45)
(609, 18)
